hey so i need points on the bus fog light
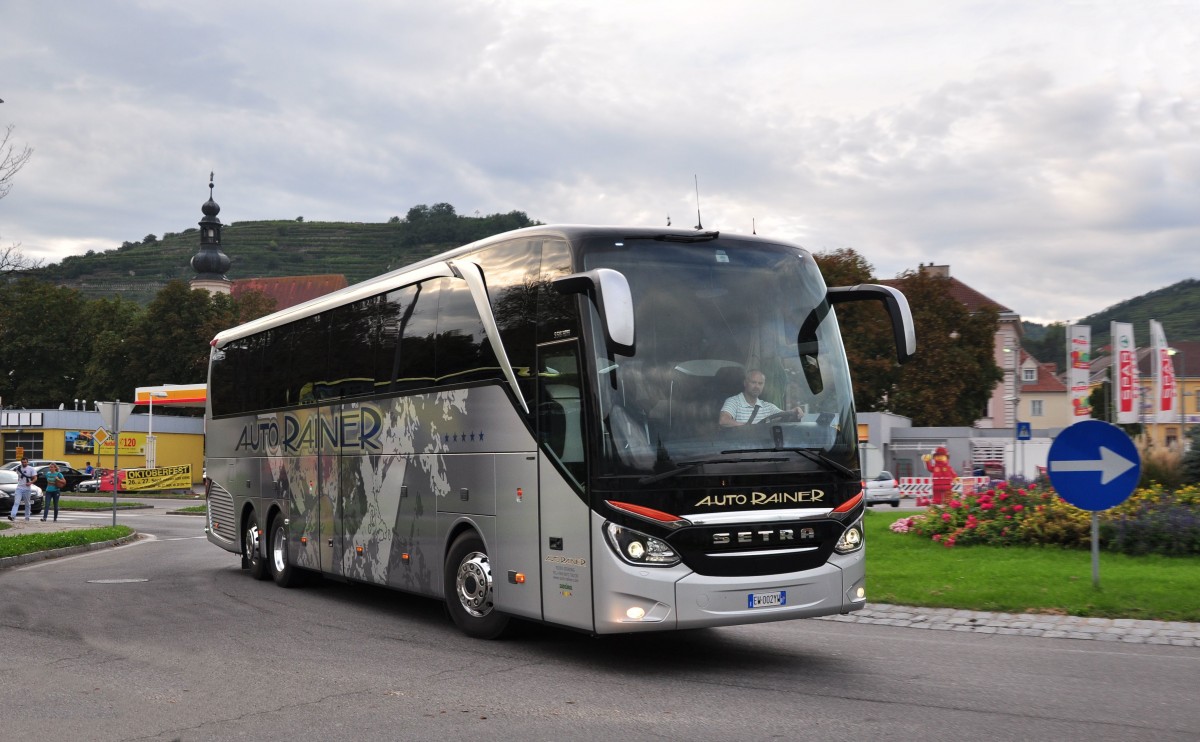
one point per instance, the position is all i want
(861, 593)
(636, 613)
(851, 540)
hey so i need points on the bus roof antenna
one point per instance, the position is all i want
(699, 224)
(753, 228)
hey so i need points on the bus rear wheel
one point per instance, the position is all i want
(282, 571)
(469, 590)
(252, 558)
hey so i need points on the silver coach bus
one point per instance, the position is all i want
(527, 427)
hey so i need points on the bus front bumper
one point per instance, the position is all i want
(678, 598)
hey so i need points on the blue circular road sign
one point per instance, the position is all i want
(1094, 465)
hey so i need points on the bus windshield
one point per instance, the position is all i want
(734, 324)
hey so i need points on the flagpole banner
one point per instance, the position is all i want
(1079, 350)
(1166, 401)
(1125, 372)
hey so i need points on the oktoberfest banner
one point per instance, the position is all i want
(1125, 372)
(1079, 350)
(1166, 401)
(162, 478)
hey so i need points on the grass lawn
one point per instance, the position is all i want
(906, 569)
(98, 505)
(28, 543)
(192, 509)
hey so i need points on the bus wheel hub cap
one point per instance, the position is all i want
(474, 584)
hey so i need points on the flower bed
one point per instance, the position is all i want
(1152, 521)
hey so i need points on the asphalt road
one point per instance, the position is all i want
(167, 639)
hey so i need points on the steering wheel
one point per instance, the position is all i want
(787, 416)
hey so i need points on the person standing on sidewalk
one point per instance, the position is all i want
(55, 482)
(25, 476)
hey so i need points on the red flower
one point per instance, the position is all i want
(946, 517)
(1018, 508)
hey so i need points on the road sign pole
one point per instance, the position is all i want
(1095, 549)
(116, 454)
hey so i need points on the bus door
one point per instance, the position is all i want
(562, 468)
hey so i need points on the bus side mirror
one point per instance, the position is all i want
(903, 330)
(609, 292)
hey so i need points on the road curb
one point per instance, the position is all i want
(37, 556)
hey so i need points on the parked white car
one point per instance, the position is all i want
(882, 488)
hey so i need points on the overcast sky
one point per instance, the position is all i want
(1049, 152)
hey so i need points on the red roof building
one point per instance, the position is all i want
(288, 291)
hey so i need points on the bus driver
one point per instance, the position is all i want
(747, 408)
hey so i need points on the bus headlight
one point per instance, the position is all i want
(851, 540)
(635, 547)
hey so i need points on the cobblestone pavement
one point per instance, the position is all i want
(1129, 630)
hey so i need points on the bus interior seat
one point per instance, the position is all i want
(698, 390)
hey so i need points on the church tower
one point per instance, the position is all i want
(210, 263)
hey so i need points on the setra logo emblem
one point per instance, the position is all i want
(764, 536)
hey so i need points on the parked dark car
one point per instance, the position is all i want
(73, 477)
(8, 485)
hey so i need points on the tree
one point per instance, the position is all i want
(107, 374)
(952, 376)
(39, 334)
(866, 332)
(12, 260)
(171, 340)
(1051, 346)
(12, 160)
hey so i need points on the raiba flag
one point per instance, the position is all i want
(1125, 372)
(1166, 392)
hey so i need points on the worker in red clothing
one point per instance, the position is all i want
(938, 464)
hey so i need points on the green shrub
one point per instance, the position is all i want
(1154, 520)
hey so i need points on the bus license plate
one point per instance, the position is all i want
(767, 600)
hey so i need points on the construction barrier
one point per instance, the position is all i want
(916, 486)
(922, 487)
(970, 485)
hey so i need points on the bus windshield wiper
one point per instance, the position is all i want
(809, 454)
(682, 468)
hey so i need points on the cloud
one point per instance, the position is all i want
(1046, 152)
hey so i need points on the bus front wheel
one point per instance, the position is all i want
(469, 590)
(284, 573)
(252, 558)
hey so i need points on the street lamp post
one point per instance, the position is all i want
(1016, 400)
(151, 448)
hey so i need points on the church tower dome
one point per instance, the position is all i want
(211, 263)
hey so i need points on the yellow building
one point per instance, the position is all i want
(71, 436)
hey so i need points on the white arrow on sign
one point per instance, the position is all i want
(1110, 465)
